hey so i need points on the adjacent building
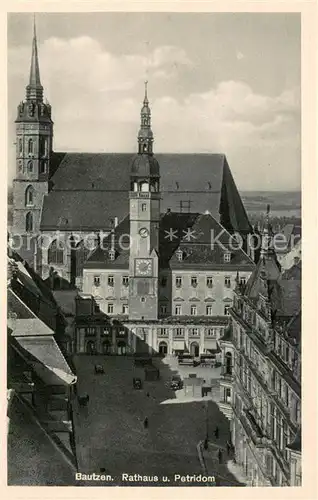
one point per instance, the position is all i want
(40, 381)
(261, 378)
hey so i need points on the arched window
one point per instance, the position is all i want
(144, 186)
(20, 146)
(29, 222)
(29, 196)
(56, 253)
(43, 167)
(30, 146)
(30, 166)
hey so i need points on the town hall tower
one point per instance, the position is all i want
(144, 215)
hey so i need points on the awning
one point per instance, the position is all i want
(45, 356)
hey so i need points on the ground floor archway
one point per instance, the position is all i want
(90, 347)
(194, 349)
(163, 348)
(121, 348)
(106, 347)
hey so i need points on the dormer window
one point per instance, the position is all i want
(111, 254)
(179, 254)
(227, 257)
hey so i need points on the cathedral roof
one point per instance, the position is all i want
(91, 189)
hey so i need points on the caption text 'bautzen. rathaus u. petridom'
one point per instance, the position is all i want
(168, 205)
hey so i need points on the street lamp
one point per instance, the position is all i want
(206, 441)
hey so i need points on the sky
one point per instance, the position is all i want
(217, 83)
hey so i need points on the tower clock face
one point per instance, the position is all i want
(143, 267)
(143, 232)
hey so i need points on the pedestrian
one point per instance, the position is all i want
(146, 423)
(228, 447)
(148, 395)
(220, 456)
(216, 432)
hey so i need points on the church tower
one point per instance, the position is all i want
(34, 136)
(144, 213)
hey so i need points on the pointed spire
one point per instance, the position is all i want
(266, 236)
(146, 102)
(34, 89)
(145, 136)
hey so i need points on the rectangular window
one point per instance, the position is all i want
(211, 332)
(209, 282)
(90, 331)
(106, 331)
(96, 308)
(227, 257)
(164, 281)
(226, 310)
(178, 310)
(227, 281)
(162, 332)
(178, 281)
(96, 280)
(110, 308)
(193, 310)
(179, 332)
(125, 280)
(194, 281)
(110, 281)
(242, 281)
(194, 332)
(209, 310)
(144, 207)
(163, 309)
(125, 309)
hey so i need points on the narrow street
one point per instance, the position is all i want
(110, 434)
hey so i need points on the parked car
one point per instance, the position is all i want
(176, 383)
(99, 369)
(185, 359)
(137, 384)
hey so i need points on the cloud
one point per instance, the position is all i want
(96, 97)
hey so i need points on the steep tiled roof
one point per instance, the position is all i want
(88, 190)
(196, 255)
(207, 246)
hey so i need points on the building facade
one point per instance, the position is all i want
(261, 388)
